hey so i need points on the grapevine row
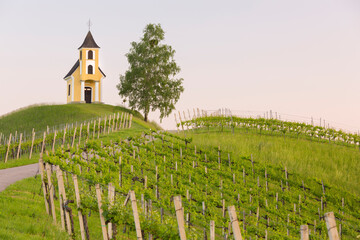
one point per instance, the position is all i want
(159, 166)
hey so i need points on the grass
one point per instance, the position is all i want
(24, 160)
(39, 117)
(334, 164)
(23, 215)
(30, 220)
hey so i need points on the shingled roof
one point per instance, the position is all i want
(89, 42)
(72, 70)
(102, 72)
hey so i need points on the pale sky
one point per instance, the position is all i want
(294, 57)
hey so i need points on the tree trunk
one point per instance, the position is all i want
(146, 117)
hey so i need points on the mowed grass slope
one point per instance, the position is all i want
(39, 117)
(23, 215)
(334, 164)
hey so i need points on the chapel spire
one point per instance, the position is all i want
(89, 42)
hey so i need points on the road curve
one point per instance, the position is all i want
(12, 175)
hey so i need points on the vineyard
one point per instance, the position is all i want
(271, 126)
(17, 145)
(146, 186)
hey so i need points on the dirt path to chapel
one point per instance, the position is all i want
(12, 175)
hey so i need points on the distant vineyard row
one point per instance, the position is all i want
(72, 135)
(273, 127)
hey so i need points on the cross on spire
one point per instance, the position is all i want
(89, 24)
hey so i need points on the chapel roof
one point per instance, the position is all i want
(72, 70)
(89, 42)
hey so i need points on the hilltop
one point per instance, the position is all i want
(39, 117)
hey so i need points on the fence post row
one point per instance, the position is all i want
(114, 124)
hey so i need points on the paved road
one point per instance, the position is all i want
(11, 175)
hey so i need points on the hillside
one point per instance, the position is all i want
(334, 164)
(39, 117)
(269, 200)
(276, 184)
(31, 222)
(62, 123)
(309, 150)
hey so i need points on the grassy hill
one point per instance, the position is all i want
(39, 117)
(30, 221)
(334, 164)
(54, 117)
(268, 201)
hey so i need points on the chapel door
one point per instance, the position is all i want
(88, 94)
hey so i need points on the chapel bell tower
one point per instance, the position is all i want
(84, 80)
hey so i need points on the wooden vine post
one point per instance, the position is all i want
(109, 128)
(42, 174)
(104, 132)
(99, 126)
(117, 121)
(180, 216)
(111, 197)
(43, 143)
(77, 196)
(88, 132)
(177, 127)
(234, 223)
(120, 122)
(80, 130)
(51, 190)
(304, 232)
(136, 215)
(331, 226)
(212, 230)
(94, 129)
(123, 121)
(8, 148)
(62, 216)
(19, 147)
(131, 116)
(63, 141)
(113, 123)
(32, 143)
(102, 219)
(53, 146)
(73, 140)
(63, 199)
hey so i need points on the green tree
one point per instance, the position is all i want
(150, 83)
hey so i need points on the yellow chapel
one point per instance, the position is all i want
(84, 80)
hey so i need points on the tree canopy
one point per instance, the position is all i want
(150, 83)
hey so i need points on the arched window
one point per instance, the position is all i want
(90, 55)
(90, 69)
